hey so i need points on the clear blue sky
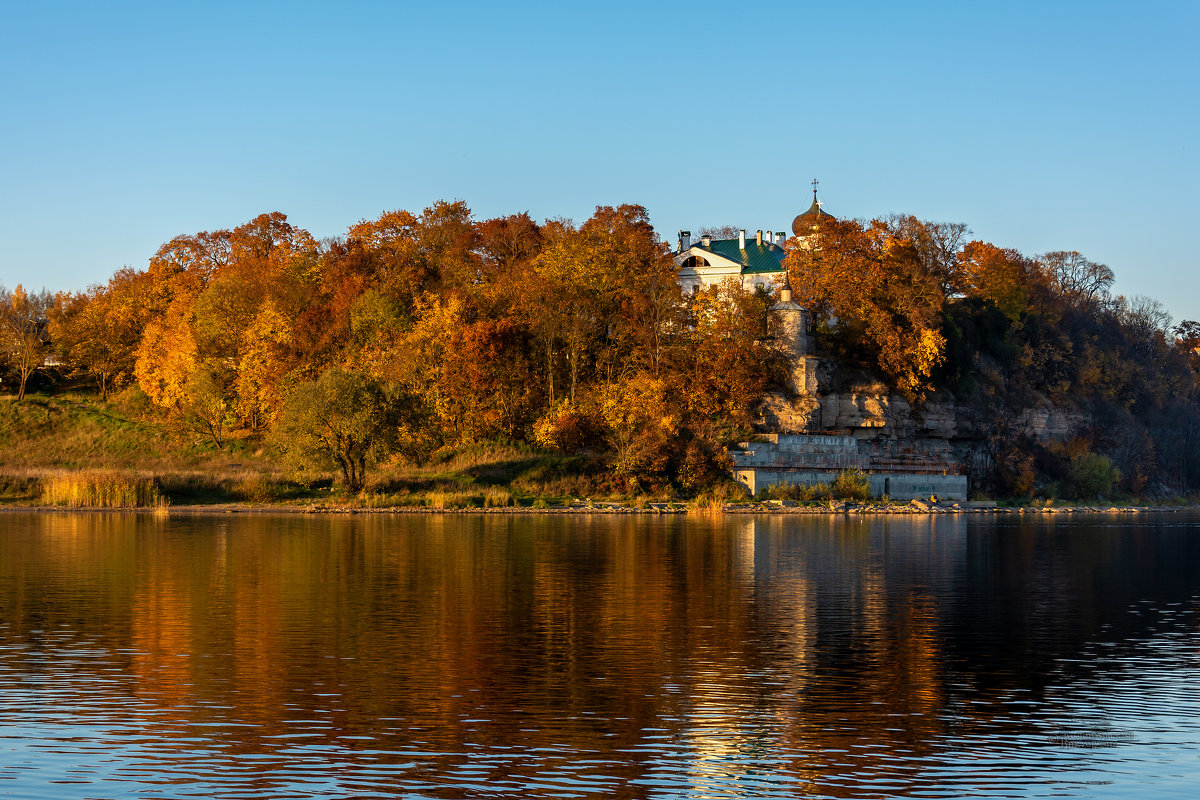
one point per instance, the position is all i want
(1043, 125)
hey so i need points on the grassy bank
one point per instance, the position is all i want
(53, 448)
(74, 450)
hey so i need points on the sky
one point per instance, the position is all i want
(1043, 126)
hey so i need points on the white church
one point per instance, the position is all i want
(757, 263)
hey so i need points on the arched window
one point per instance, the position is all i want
(694, 262)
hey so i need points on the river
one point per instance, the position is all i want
(573, 656)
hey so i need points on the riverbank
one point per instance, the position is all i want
(116, 451)
(584, 507)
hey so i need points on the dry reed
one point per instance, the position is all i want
(442, 499)
(495, 497)
(101, 489)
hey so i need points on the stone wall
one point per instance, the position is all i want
(897, 486)
(901, 469)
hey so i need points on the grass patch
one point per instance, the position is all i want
(721, 495)
(444, 500)
(20, 487)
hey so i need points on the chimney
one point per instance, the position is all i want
(685, 240)
(758, 237)
(779, 237)
(706, 240)
(742, 238)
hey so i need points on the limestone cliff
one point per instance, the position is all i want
(823, 398)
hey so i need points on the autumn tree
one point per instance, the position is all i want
(24, 339)
(80, 329)
(447, 239)
(508, 244)
(938, 245)
(182, 267)
(561, 301)
(264, 361)
(723, 366)
(639, 424)
(166, 357)
(485, 386)
(384, 254)
(1187, 344)
(1002, 276)
(637, 269)
(602, 296)
(870, 289)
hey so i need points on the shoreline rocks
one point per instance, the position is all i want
(769, 507)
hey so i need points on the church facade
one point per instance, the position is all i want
(756, 263)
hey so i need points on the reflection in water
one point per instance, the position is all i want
(464, 656)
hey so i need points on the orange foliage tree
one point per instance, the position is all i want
(869, 287)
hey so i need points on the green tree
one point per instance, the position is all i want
(343, 419)
(1092, 475)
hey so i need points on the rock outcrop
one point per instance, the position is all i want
(820, 399)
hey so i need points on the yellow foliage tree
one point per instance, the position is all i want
(167, 357)
(261, 367)
(640, 422)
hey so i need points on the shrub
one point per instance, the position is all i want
(1091, 476)
(569, 428)
(258, 490)
(795, 491)
(851, 484)
(346, 420)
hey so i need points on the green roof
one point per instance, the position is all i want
(755, 258)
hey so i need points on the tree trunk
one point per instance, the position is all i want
(550, 369)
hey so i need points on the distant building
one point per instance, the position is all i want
(756, 263)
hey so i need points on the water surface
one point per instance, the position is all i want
(573, 656)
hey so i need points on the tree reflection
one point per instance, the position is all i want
(604, 653)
